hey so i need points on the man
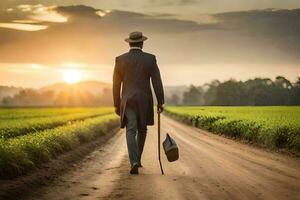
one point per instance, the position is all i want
(133, 72)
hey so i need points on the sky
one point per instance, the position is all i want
(195, 41)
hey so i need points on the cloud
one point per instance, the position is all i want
(92, 35)
(23, 27)
(30, 17)
(172, 2)
(47, 14)
(277, 27)
(78, 11)
(271, 21)
(25, 7)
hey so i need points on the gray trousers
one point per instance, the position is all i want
(135, 139)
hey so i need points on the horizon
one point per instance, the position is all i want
(167, 86)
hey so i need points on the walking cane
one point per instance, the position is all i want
(158, 131)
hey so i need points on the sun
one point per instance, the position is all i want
(72, 76)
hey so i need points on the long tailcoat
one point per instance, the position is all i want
(132, 74)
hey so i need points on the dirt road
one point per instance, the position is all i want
(210, 167)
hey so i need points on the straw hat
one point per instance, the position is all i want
(135, 37)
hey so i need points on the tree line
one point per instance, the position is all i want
(31, 97)
(253, 92)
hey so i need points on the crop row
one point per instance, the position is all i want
(274, 127)
(16, 127)
(26, 113)
(20, 154)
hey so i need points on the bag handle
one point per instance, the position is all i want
(169, 138)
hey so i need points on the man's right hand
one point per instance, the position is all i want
(117, 110)
(160, 108)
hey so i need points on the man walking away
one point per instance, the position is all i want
(132, 74)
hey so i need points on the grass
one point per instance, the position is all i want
(275, 127)
(20, 154)
(25, 121)
(40, 112)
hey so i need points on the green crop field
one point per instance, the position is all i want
(31, 136)
(275, 127)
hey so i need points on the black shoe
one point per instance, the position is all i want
(134, 169)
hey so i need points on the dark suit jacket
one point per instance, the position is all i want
(132, 73)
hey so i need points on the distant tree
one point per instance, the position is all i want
(256, 92)
(282, 82)
(6, 101)
(210, 92)
(295, 93)
(193, 96)
(61, 99)
(175, 99)
(230, 93)
(259, 91)
(27, 97)
(282, 90)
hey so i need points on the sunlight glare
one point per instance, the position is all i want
(72, 76)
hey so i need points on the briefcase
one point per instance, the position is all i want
(171, 148)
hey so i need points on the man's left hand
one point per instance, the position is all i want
(160, 108)
(117, 110)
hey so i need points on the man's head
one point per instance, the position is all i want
(136, 39)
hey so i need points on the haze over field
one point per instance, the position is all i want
(44, 42)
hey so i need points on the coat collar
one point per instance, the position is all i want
(135, 49)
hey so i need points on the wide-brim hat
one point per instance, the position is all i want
(135, 37)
